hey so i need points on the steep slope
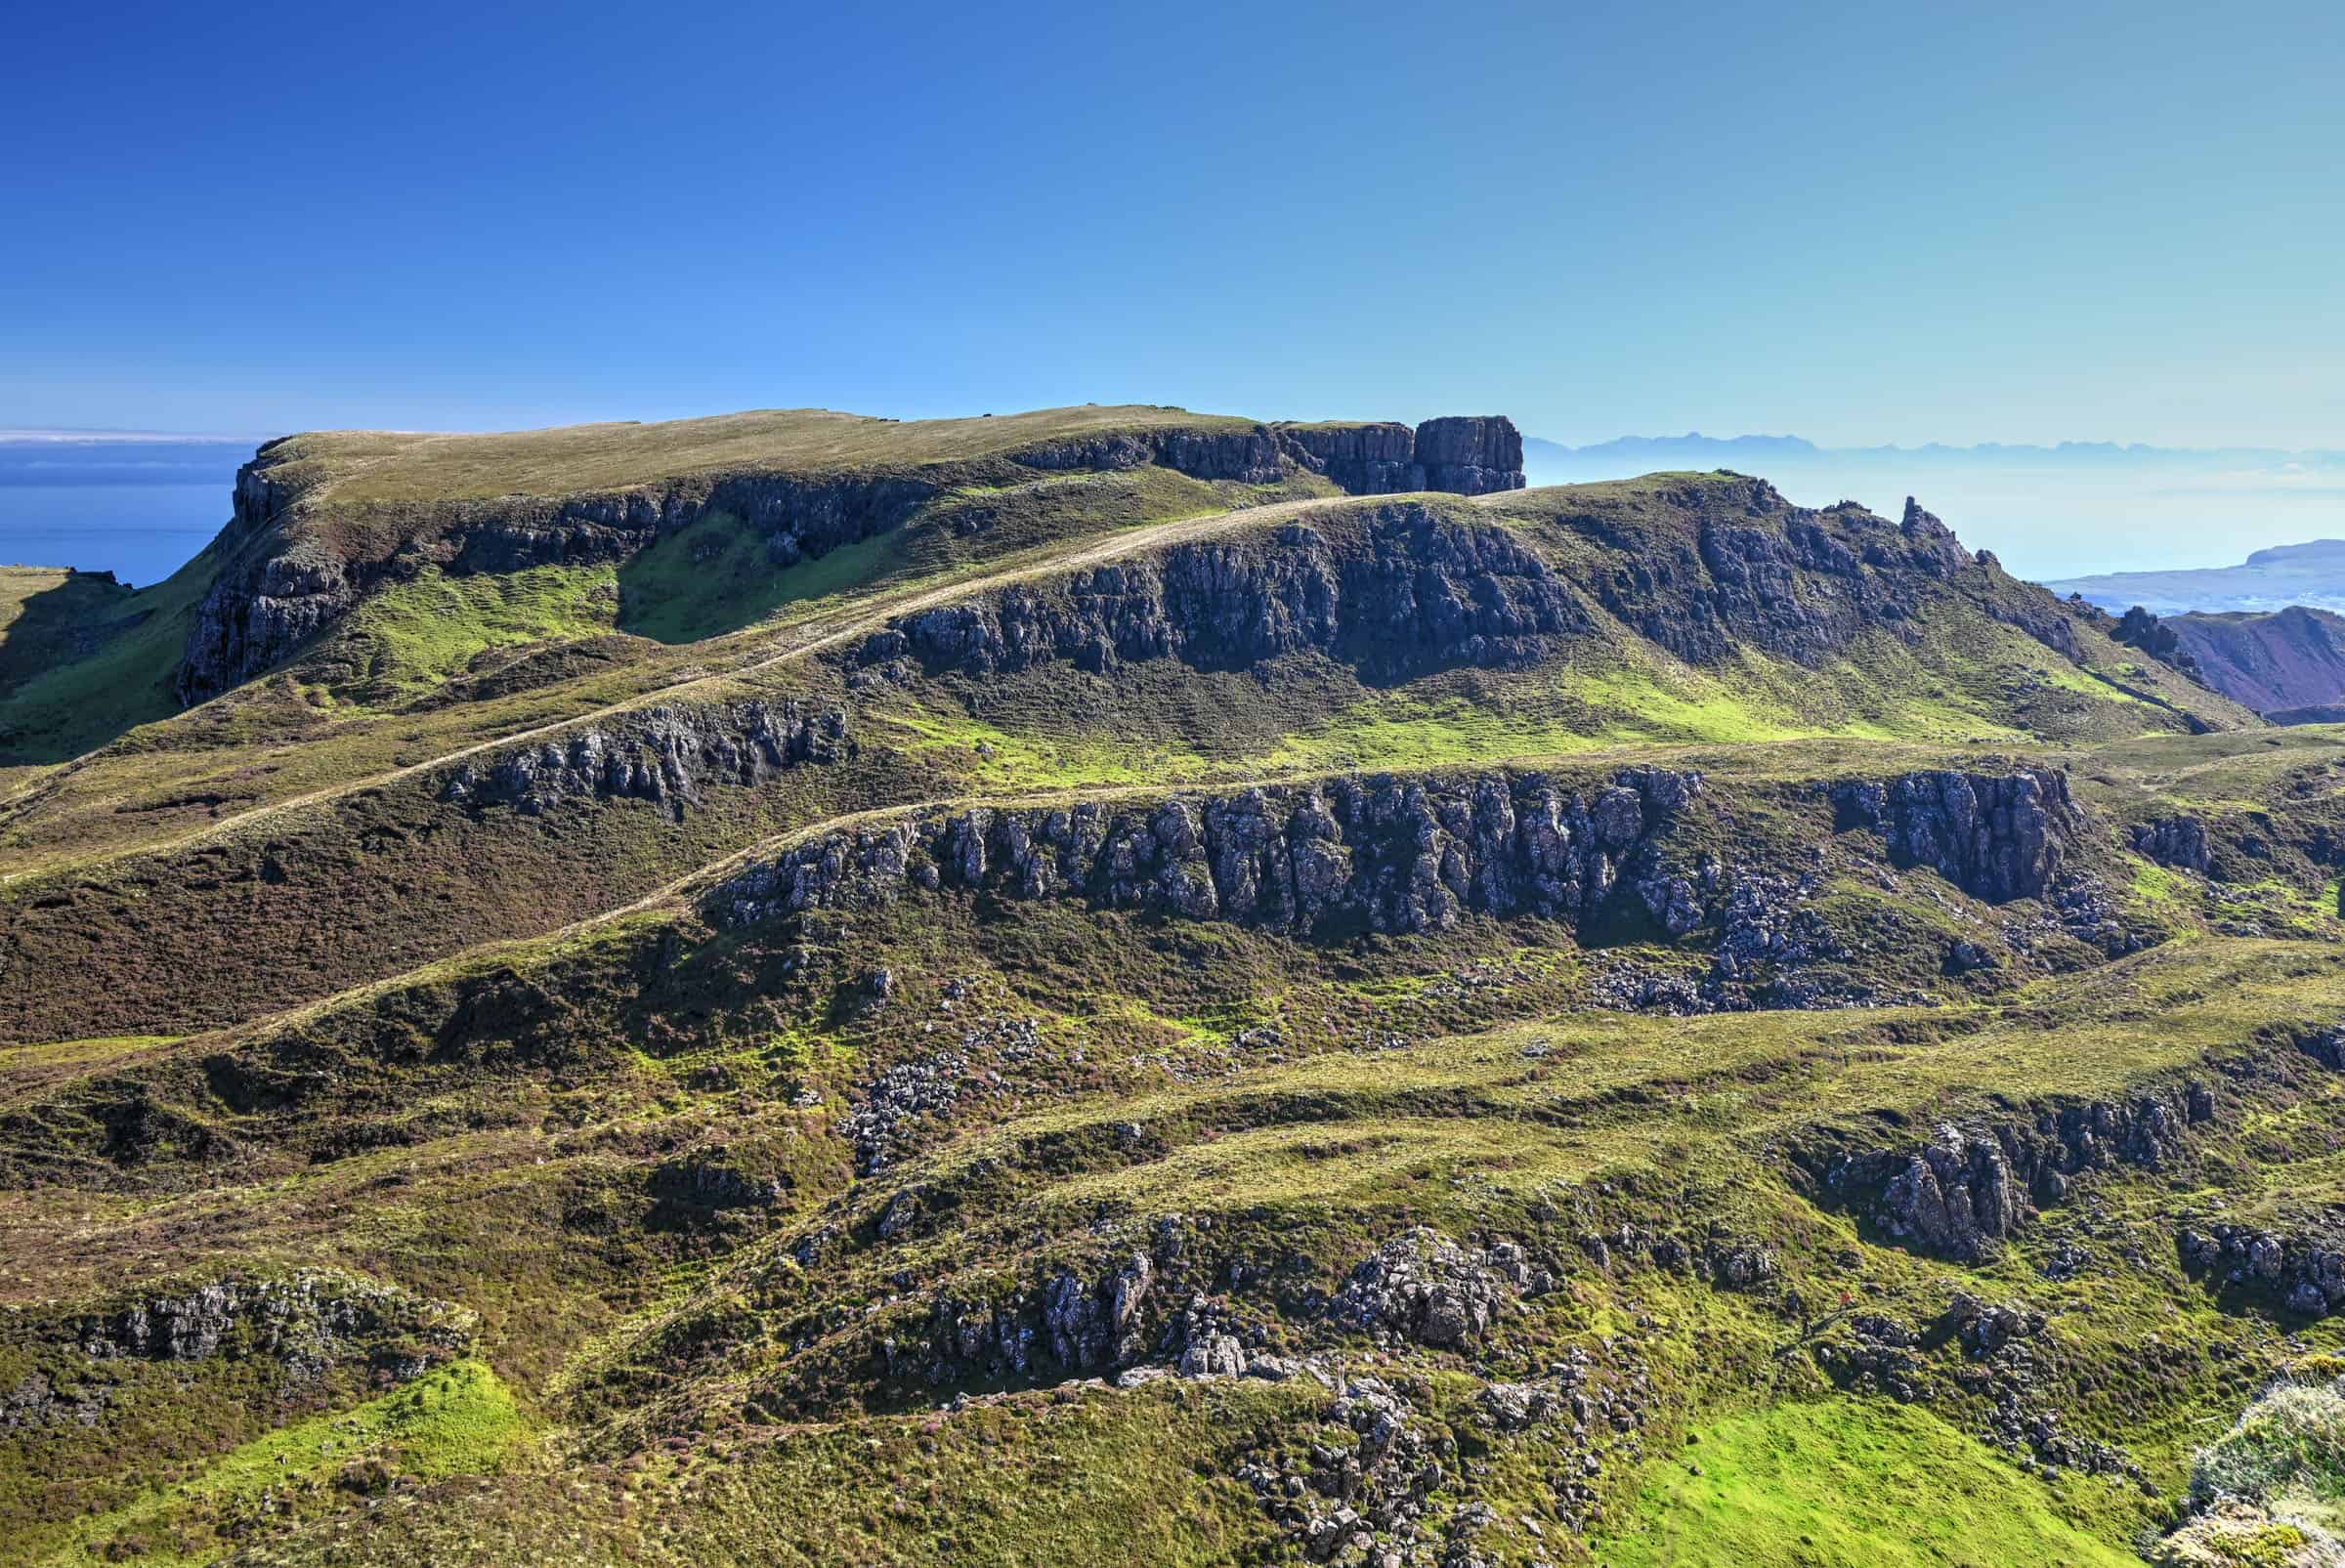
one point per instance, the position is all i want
(2292, 659)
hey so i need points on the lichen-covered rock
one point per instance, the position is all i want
(2177, 841)
(2306, 1273)
(1996, 836)
(1382, 854)
(1423, 1286)
(304, 1321)
(1965, 1189)
(665, 754)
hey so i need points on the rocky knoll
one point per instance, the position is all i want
(1758, 572)
(663, 755)
(1383, 854)
(1413, 589)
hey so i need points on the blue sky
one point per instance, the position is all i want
(1862, 223)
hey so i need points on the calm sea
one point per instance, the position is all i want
(139, 533)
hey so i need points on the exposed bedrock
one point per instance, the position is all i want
(1966, 1187)
(1763, 574)
(258, 614)
(2177, 841)
(305, 1320)
(663, 755)
(1997, 836)
(1383, 854)
(1471, 455)
(1422, 591)
(2306, 1273)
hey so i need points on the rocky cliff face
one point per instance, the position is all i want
(662, 755)
(1763, 574)
(285, 592)
(2305, 1272)
(1472, 456)
(290, 575)
(1996, 836)
(1379, 854)
(1422, 591)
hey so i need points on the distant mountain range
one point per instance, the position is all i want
(1695, 450)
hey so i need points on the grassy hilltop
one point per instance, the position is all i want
(1113, 985)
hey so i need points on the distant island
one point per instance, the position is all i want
(2311, 573)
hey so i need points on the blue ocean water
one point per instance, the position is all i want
(139, 533)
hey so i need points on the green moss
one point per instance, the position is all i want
(1848, 1484)
(415, 634)
(717, 576)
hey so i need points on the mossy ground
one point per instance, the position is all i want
(1841, 1483)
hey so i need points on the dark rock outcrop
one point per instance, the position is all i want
(1366, 459)
(1760, 573)
(1419, 591)
(1383, 854)
(2178, 841)
(306, 1320)
(662, 755)
(2305, 1273)
(1963, 1190)
(1996, 836)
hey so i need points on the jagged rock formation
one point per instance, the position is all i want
(1422, 590)
(2177, 841)
(663, 755)
(304, 1321)
(1963, 1190)
(1382, 854)
(1997, 837)
(2306, 1273)
(1740, 582)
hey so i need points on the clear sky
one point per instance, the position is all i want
(1860, 223)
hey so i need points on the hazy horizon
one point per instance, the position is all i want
(141, 503)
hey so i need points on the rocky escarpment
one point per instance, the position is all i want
(297, 1328)
(1379, 854)
(294, 564)
(1472, 456)
(1965, 1189)
(262, 610)
(664, 754)
(1996, 836)
(1468, 455)
(1416, 590)
(1761, 573)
